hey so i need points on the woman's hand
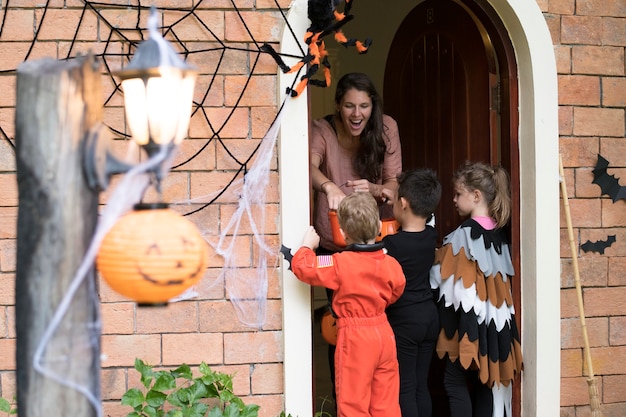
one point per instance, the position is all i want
(333, 194)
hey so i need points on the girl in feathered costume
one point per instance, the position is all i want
(471, 277)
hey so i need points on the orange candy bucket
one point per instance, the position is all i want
(389, 227)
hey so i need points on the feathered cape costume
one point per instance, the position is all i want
(471, 277)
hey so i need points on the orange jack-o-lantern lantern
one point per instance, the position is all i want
(152, 254)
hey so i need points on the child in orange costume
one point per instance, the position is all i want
(365, 280)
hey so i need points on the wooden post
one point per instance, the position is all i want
(56, 103)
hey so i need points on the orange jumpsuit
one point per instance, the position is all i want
(365, 281)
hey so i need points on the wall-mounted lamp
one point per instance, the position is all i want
(158, 94)
(152, 253)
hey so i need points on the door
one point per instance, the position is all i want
(450, 83)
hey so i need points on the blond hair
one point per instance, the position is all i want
(359, 217)
(494, 184)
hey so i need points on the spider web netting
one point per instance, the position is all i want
(232, 135)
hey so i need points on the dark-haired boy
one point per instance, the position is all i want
(414, 317)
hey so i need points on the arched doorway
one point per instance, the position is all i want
(538, 173)
(451, 84)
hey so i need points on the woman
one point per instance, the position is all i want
(355, 149)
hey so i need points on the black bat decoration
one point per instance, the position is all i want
(598, 246)
(287, 254)
(608, 183)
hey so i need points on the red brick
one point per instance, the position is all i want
(232, 153)
(583, 212)
(174, 188)
(585, 30)
(205, 186)
(8, 185)
(554, 26)
(569, 303)
(113, 383)
(585, 188)
(267, 379)
(614, 214)
(195, 155)
(195, 26)
(118, 318)
(590, 121)
(543, 5)
(271, 4)
(613, 32)
(261, 25)
(8, 384)
(267, 224)
(115, 408)
(270, 405)
(11, 322)
(607, 60)
(563, 54)
(7, 359)
(7, 121)
(614, 149)
(122, 350)
(574, 391)
(613, 91)
(178, 317)
(253, 347)
(614, 389)
(224, 4)
(209, 91)
(259, 91)
(229, 123)
(572, 333)
(8, 253)
(592, 271)
(8, 222)
(219, 317)
(617, 326)
(605, 301)
(617, 266)
(566, 120)
(61, 24)
(211, 286)
(192, 348)
(13, 54)
(579, 90)
(564, 7)
(8, 86)
(578, 151)
(609, 360)
(17, 25)
(237, 254)
(571, 363)
(7, 289)
(601, 8)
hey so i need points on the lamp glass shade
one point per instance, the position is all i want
(158, 107)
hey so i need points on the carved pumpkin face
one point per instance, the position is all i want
(152, 255)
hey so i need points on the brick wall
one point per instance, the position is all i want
(589, 39)
(205, 328)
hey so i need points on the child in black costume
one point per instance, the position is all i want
(414, 317)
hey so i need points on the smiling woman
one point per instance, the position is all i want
(355, 149)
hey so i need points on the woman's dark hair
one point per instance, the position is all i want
(369, 158)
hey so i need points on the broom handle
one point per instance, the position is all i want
(574, 249)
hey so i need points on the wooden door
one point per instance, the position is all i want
(451, 84)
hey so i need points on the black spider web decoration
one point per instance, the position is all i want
(122, 26)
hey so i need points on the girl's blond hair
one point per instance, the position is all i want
(494, 184)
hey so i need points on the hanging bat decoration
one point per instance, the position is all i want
(609, 185)
(287, 254)
(598, 246)
(325, 19)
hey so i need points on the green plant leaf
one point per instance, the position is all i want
(134, 398)
(183, 371)
(146, 372)
(251, 410)
(164, 382)
(155, 398)
(5, 405)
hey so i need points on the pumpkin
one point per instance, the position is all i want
(152, 254)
